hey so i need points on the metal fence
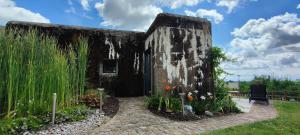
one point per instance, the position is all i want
(275, 95)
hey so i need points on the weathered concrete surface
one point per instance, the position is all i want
(134, 119)
(182, 56)
(180, 48)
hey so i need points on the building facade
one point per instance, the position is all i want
(175, 49)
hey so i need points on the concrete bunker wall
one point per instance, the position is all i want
(124, 47)
(179, 47)
(182, 56)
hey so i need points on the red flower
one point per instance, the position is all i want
(167, 88)
(164, 81)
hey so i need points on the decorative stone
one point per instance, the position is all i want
(188, 109)
(208, 113)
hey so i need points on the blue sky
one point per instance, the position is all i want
(262, 34)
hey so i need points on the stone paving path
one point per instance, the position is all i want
(133, 119)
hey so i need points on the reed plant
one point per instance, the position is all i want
(32, 67)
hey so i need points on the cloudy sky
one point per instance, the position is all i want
(262, 35)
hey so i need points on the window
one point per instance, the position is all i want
(175, 57)
(109, 67)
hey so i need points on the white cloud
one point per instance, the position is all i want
(85, 4)
(71, 10)
(128, 14)
(230, 4)
(9, 11)
(298, 7)
(266, 44)
(173, 4)
(212, 15)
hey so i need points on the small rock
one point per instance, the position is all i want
(208, 113)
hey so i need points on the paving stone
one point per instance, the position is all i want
(133, 118)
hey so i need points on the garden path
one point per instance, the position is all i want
(133, 118)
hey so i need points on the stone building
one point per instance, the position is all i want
(175, 48)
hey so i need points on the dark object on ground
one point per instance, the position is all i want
(177, 116)
(258, 92)
(111, 106)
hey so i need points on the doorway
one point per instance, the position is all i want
(147, 73)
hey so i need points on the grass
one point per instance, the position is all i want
(32, 67)
(287, 123)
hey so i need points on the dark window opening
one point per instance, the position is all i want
(175, 57)
(109, 66)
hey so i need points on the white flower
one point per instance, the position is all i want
(190, 93)
(196, 91)
(202, 97)
(199, 83)
(209, 94)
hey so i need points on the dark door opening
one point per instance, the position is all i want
(147, 73)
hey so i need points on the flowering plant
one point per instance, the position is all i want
(166, 95)
(201, 102)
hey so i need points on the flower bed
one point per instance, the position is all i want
(196, 106)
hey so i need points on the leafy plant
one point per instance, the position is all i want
(152, 102)
(156, 102)
(18, 125)
(175, 104)
(33, 123)
(199, 106)
(221, 101)
(228, 106)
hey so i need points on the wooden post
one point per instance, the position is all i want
(53, 108)
(285, 95)
(182, 95)
(101, 100)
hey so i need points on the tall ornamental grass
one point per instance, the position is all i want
(32, 67)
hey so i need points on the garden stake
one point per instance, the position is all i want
(100, 103)
(53, 108)
(182, 102)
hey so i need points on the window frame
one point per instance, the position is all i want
(110, 73)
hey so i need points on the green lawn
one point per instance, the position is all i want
(288, 123)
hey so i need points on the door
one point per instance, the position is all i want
(147, 73)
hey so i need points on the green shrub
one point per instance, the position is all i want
(18, 125)
(175, 104)
(33, 123)
(199, 107)
(72, 114)
(222, 101)
(228, 106)
(152, 102)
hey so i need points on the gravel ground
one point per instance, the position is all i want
(94, 120)
(74, 128)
